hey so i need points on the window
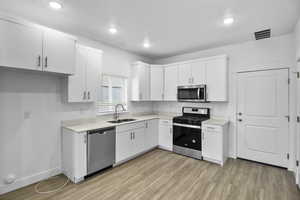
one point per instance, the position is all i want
(113, 90)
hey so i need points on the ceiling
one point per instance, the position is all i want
(172, 26)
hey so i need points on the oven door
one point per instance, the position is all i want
(187, 136)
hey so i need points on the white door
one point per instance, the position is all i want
(21, 46)
(184, 75)
(124, 145)
(262, 116)
(171, 83)
(59, 53)
(138, 140)
(217, 79)
(156, 83)
(93, 73)
(151, 134)
(298, 126)
(77, 82)
(198, 73)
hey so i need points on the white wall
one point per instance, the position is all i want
(277, 52)
(31, 110)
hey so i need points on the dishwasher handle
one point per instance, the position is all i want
(101, 131)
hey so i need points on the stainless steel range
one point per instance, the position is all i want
(187, 134)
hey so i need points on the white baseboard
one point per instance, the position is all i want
(25, 181)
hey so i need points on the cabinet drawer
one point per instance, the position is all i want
(131, 126)
(211, 128)
(165, 122)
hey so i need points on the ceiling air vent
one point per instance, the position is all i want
(259, 35)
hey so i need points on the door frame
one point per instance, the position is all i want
(236, 108)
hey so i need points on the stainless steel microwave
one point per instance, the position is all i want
(192, 93)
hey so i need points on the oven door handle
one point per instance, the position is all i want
(187, 126)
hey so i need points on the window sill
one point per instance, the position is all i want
(111, 113)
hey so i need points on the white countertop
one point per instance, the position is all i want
(217, 122)
(101, 122)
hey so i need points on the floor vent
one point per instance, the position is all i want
(259, 35)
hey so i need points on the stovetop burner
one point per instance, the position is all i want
(192, 116)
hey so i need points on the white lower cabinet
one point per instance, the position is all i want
(135, 138)
(124, 144)
(74, 155)
(215, 143)
(165, 138)
(151, 134)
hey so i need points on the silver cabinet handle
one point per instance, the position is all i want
(84, 95)
(46, 61)
(89, 95)
(171, 131)
(146, 124)
(133, 135)
(202, 136)
(39, 61)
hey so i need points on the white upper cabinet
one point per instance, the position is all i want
(184, 74)
(140, 82)
(171, 83)
(21, 46)
(31, 47)
(198, 70)
(59, 52)
(93, 73)
(217, 79)
(156, 83)
(82, 86)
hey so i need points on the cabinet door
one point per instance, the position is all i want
(151, 134)
(77, 82)
(21, 46)
(184, 75)
(59, 52)
(124, 145)
(217, 79)
(138, 140)
(93, 73)
(165, 139)
(144, 74)
(198, 73)
(171, 83)
(212, 144)
(140, 82)
(156, 83)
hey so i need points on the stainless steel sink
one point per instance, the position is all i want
(121, 121)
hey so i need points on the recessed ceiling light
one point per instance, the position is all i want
(55, 5)
(228, 20)
(113, 30)
(146, 44)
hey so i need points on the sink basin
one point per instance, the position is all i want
(121, 121)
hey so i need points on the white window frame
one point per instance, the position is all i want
(110, 103)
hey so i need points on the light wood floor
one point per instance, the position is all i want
(164, 175)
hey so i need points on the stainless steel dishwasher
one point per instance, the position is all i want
(100, 149)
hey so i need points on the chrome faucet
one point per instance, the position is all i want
(116, 114)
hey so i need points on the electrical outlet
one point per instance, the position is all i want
(27, 114)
